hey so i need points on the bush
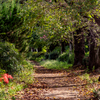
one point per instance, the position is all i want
(34, 55)
(57, 49)
(12, 28)
(53, 55)
(10, 59)
(71, 58)
(63, 57)
(20, 81)
(26, 74)
(8, 17)
(66, 56)
(39, 54)
(29, 55)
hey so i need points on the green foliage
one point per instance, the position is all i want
(71, 58)
(63, 57)
(25, 74)
(10, 59)
(54, 64)
(86, 48)
(12, 28)
(87, 77)
(39, 59)
(7, 91)
(35, 55)
(85, 60)
(53, 55)
(87, 54)
(29, 55)
(19, 82)
(2, 72)
(67, 56)
(38, 54)
(57, 49)
(44, 49)
(8, 15)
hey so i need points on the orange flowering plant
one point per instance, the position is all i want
(6, 78)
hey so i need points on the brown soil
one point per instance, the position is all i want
(52, 84)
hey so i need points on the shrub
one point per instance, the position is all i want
(39, 54)
(8, 17)
(71, 58)
(63, 57)
(26, 74)
(57, 49)
(29, 55)
(12, 28)
(20, 81)
(34, 55)
(10, 59)
(66, 56)
(53, 55)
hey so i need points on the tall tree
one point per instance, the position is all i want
(79, 46)
(70, 16)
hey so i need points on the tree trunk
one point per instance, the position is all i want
(94, 48)
(97, 20)
(79, 47)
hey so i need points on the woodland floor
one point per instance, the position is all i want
(52, 84)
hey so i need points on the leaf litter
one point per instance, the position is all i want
(50, 84)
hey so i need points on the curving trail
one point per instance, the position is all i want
(57, 85)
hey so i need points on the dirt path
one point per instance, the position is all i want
(57, 85)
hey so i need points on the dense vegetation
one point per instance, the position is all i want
(61, 32)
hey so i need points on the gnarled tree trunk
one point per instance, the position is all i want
(94, 48)
(79, 47)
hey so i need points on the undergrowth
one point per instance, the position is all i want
(87, 77)
(20, 81)
(55, 64)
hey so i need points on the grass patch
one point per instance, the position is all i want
(19, 82)
(86, 76)
(9, 90)
(55, 64)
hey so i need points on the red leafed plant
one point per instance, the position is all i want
(5, 78)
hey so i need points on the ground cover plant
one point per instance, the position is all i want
(20, 81)
(54, 64)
